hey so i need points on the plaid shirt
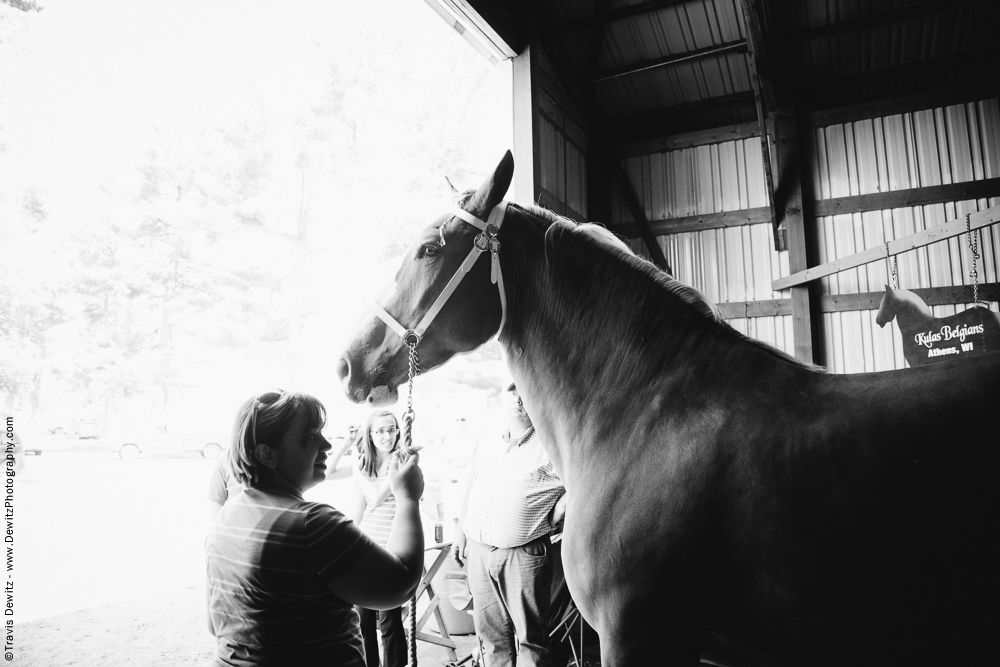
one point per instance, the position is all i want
(512, 490)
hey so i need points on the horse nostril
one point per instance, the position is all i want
(343, 368)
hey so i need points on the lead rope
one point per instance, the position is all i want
(411, 340)
(974, 247)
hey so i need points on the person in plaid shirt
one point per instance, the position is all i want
(514, 500)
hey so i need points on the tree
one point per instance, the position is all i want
(23, 5)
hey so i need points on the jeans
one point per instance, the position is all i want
(511, 594)
(390, 625)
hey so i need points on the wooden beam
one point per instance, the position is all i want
(663, 121)
(555, 91)
(844, 303)
(739, 46)
(714, 135)
(699, 223)
(932, 296)
(975, 60)
(637, 9)
(934, 194)
(638, 214)
(733, 310)
(905, 104)
(762, 97)
(895, 15)
(920, 239)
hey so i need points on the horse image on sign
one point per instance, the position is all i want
(718, 490)
(928, 339)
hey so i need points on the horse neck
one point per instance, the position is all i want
(911, 311)
(589, 338)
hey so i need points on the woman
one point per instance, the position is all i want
(283, 572)
(374, 509)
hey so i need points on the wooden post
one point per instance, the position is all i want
(792, 220)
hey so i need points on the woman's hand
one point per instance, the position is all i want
(406, 479)
(458, 548)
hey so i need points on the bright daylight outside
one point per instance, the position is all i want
(198, 203)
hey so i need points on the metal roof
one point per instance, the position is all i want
(661, 67)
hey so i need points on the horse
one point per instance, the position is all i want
(719, 491)
(921, 330)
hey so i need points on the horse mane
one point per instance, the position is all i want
(613, 244)
(606, 242)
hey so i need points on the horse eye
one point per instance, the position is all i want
(430, 250)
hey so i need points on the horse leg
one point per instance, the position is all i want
(650, 637)
(636, 628)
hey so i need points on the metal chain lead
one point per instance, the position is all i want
(974, 247)
(414, 370)
(891, 261)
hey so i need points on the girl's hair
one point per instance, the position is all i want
(264, 419)
(367, 452)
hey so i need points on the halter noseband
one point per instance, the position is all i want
(485, 241)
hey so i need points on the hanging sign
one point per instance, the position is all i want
(928, 339)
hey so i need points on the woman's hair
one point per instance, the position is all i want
(264, 419)
(367, 452)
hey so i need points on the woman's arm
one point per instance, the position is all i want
(208, 612)
(357, 504)
(387, 578)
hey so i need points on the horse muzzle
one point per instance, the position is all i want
(376, 390)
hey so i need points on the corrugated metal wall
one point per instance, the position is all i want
(728, 265)
(933, 147)
(562, 152)
(926, 148)
(564, 170)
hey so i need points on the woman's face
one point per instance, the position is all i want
(302, 454)
(384, 431)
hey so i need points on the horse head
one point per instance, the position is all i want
(904, 304)
(375, 362)
(886, 313)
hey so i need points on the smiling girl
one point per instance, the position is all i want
(283, 572)
(374, 509)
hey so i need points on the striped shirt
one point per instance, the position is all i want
(271, 558)
(377, 519)
(222, 485)
(512, 490)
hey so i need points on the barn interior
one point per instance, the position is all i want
(775, 155)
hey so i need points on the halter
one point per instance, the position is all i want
(485, 241)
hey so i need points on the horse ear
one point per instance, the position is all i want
(493, 189)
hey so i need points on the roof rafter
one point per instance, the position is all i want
(738, 46)
(896, 15)
(618, 14)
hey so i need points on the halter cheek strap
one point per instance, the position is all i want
(485, 241)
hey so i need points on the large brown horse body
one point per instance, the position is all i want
(717, 488)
